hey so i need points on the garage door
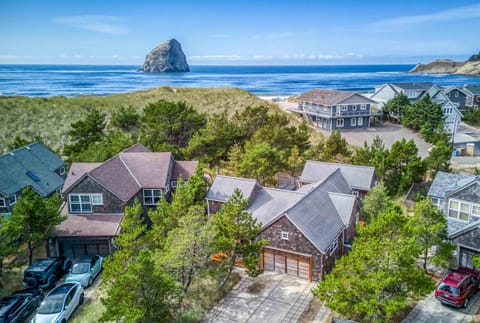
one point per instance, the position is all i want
(286, 263)
(75, 248)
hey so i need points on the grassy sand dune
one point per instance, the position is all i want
(50, 118)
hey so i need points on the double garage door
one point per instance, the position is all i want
(287, 263)
(79, 247)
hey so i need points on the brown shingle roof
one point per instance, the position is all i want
(137, 148)
(149, 169)
(325, 97)
(184, 168)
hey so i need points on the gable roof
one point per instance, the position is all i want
(470, 227)
(33, 165)
(184, 168)
(128, 172)
(328, 97)
(359, 177)
(446, 184)
(412, 86)
(223, 187)
(320, 211)
(474, 89)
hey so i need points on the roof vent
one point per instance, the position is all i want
(32, 176)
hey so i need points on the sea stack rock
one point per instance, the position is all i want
(166, 57)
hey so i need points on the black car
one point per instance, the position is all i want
(44, 273)
(20, 305)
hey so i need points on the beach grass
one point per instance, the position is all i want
(50, 118)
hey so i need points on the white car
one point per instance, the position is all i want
(60, 303)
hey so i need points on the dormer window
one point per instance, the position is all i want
(284, 235)
(62, 171)
(151, 196)
(12, 200)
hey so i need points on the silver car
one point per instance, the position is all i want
(60, 304)
(85, 270)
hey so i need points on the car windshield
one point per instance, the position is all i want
(449, 289)
(80, 268)
(52, 304)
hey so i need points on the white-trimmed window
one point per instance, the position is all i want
(151, 196)
(447, 111)
(344, 107)
(459, 210)
(476, 210)
(97, 199)
(360, 121)
(456, 94)
(363, 107)
(284, 235)
(353, 122)
(62, 171)
(167, 188)
(80, 203)
(435, 202)
(2, 202)
(333, 247)
(173, 184)
(340, 123)
(12, 200)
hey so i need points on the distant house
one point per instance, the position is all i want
(360, 178)
(459, 96)
(458, 196)
(309, 228)
(416, 91)
(473, 92)
(337, 110)
(96, 193)
(34, 166)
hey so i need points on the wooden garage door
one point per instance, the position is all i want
(286, 262)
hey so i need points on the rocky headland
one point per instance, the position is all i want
(446, 66)
(166, 57)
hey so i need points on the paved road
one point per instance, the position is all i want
(431, 310)
(271, 297)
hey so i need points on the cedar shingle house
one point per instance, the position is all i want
(308, 229)
(458, 196)
(96, 193)
(33, 166)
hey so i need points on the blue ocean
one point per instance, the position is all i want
(74, 80)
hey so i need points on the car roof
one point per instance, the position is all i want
(6, 303)
(62, 289)
(40, 264)
(27, 292)
(454, 278)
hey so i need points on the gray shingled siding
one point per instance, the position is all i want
(471, 193)
(111, 203)
(470, 240)
(458, 97)
(298, 243)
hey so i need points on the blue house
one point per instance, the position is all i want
(33, 166)
(337, 110)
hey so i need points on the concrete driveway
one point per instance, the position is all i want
(271, 297)
(431, 310)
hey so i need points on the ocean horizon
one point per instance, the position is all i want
(44, 80)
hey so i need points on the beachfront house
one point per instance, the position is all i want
(308, 228)
(34, 166)
(416, 91)
(96, 193)
(337, 110)
(458, 197)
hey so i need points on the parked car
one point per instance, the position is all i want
(457, 286)
(20, 305)
(60, 303)
(85, 270)
(44, 273)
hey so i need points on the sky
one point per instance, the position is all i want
(228, 32)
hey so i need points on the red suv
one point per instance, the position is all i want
(457, 286)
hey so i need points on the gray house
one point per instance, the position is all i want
(473, 92)
(307, 229)
(459, 96)
(33, 166)
(96, 193)
(458, 196)
(416, 91)
(337, 110)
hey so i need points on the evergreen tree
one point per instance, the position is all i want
(235, 236)
(35, 215)
(439, 157)
(295, 162)
(336, 148)
(126, 119)
(376, 201)
(429, 225)
(261, 162)
(396, 106)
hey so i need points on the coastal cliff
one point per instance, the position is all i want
(166, 57)
(446, 66)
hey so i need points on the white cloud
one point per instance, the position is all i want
(101, 24)
(262, 57)
(402, 23)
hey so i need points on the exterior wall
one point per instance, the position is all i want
(384, 94)
(351, 230)
(470, 193)
(111, 203)
(213, 206)
(297, 242)
(468, 245)
(458, 97)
